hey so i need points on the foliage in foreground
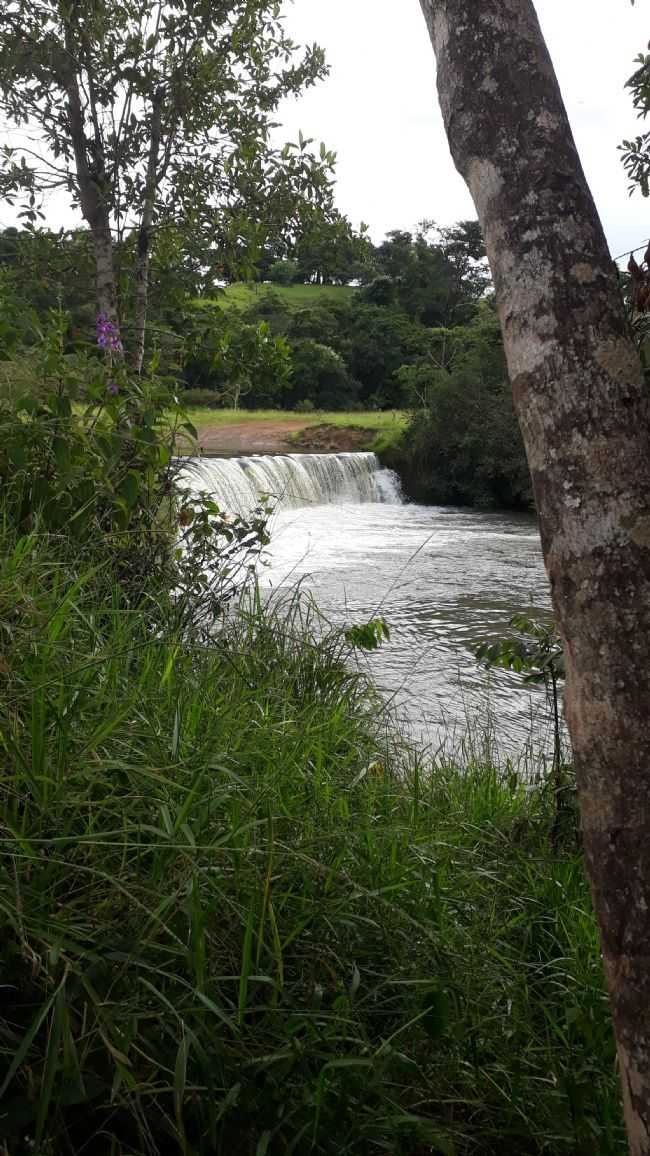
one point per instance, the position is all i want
(233, 917)
(233, 921)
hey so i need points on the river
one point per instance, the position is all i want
(444, 579)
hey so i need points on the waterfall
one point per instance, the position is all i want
(290, 480)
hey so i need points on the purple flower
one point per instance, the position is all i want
(113, 387)
(107, 335)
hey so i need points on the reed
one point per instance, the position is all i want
(236, 917)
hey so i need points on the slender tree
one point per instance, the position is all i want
(585, 416)
(156, 115)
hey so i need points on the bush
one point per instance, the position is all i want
(380, 291)
(284, 272)
(240, 362)
(319, 375)
(202, 398)
(88, 459)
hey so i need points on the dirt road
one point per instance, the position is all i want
(276, 437)
(250, 437)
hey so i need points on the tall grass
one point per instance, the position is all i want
(236, 920)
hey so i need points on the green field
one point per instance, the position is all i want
(371, 419)
(244, 294)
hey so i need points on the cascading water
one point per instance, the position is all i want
(291, 480)
(444, 579)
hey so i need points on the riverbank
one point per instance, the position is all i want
(239, 915)
(240, 432)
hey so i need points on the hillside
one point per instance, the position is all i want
(244, 294)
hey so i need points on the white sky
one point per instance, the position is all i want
(379, 111)
(379, 108)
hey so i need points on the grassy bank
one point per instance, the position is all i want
(388, 426)
(242, 295)
(372, 419)
(235, 919)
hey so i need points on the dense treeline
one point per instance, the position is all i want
(463, 444)
(417, 332)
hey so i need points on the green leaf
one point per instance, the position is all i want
(180, 1079)
(130, 488)
(368, 635)
(436, 1017)
(61, 451)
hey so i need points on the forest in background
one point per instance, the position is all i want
(343, 325)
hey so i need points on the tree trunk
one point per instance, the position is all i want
(91, 182)
(144, 237)
(106, 288)
(585, 417)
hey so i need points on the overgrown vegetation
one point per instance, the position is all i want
(463, 445)
(234, 921)
(237, 914)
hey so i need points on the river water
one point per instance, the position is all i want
(444, 579)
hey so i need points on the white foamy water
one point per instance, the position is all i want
(291, 480)
(444, 579)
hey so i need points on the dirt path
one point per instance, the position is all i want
(275, 437)
(250, 437)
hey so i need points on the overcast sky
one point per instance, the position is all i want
(379, 108)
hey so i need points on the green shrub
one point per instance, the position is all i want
(319, 375)
(284, 272)
(202, 398)
(305, 405)
(89, 460)
(90, 453)
(240, 362)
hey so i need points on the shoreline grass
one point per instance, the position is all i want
(237, 919)
(372, 419)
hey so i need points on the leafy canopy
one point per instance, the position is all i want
(157, 116)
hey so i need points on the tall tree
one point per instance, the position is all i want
(585, 416)
(156, 115)
(437, 276)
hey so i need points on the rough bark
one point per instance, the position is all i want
(585, 417)
(144, 237)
